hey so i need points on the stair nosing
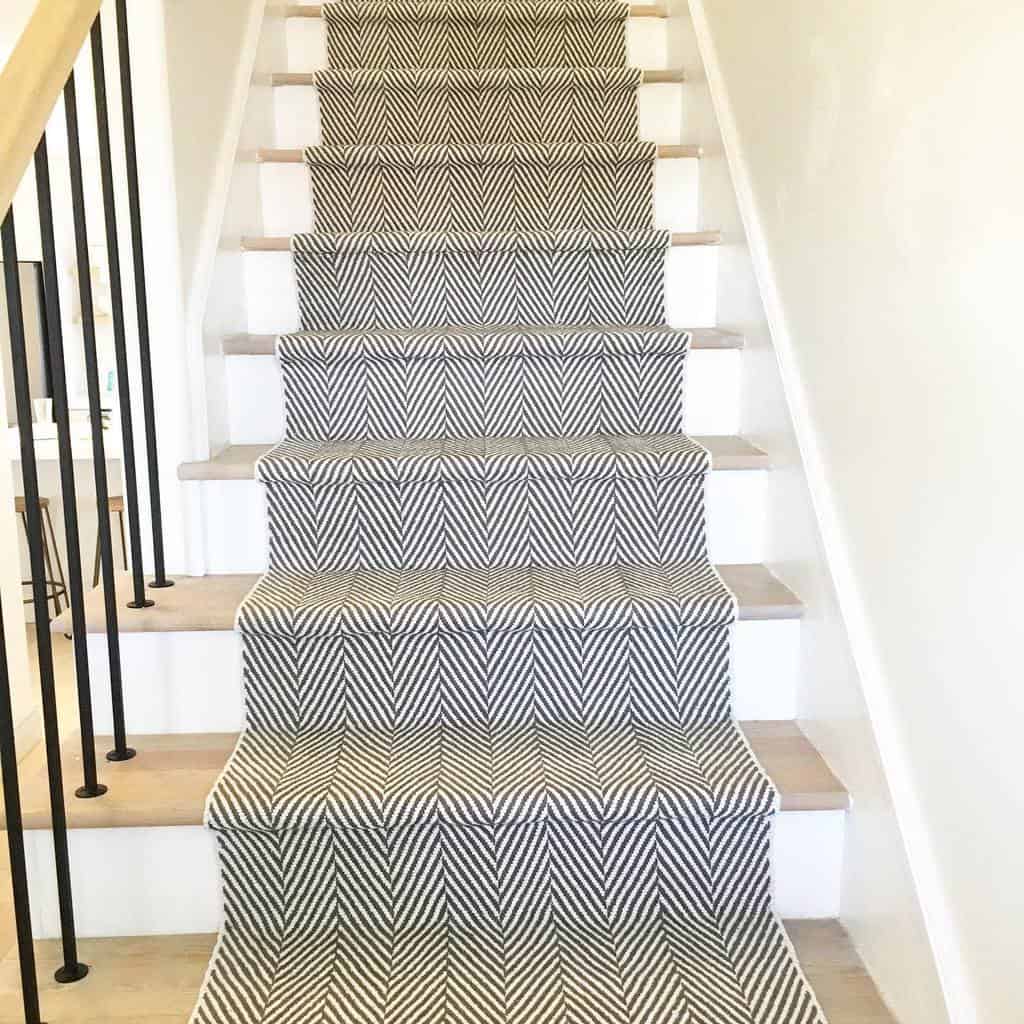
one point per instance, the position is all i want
(702, 338)
(266, 155)
(208, 604)
(176, 771)
(238, 461)
(283, 243)
(305, 79)
(172, 968)
(315, 11)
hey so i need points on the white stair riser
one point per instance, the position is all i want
(297, 115)
(192, 682)
(256, 401)
(234, 515)
(306, 40)
(287, 197)
(159, 881)
(691, 274)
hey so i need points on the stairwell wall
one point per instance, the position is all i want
(879, 182)
(217, 113)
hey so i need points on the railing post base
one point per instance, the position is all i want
(66, 975)
(161, 584)
(121, 755)
(90, 792)
(145, 603)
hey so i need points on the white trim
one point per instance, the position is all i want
(939, 922)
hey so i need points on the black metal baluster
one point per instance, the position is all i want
(131, 486)
(121, 751)
(16, 842)
(72, 970)
(55, 338)
(141, 301)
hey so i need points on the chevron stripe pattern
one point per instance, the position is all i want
(477, 106)
(470, 382)
(490, 772)
(473, 189)
(562, 278)
(476, 34)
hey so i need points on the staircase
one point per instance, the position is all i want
(534, 474)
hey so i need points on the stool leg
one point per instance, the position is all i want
(124, 547)
(96, 564)
(58, 561)
(25, 583)
(49, 570)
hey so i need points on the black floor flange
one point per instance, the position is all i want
(66, 975)
(85, 793)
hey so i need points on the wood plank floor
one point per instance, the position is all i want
(155, 980)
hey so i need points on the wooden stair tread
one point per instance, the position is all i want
(168, 782)
(266, 344)
(238, 461)
(298, 156)
(155, 979)
(194, 603)
(209, 603)
(283, 243)
(316, 10)
(277, 79)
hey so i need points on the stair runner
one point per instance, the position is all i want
(489, 772)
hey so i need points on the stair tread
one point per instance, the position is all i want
(238, 461)
(444, 154)
(266, 344)
(303, 10)
(329, 78)
(167, 784)
(323, 243)
(563, 767)
(485, 343)
(416, 151)
(154, 979)
(210, 603)
(492, 599)
(493, 459)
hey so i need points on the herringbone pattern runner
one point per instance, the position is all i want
(490, 772)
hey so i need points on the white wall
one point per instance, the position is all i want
(219, 116)
(206, 44)
(877, 157)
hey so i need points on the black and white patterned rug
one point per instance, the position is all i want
(490, 772)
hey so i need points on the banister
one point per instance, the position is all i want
(32, 80)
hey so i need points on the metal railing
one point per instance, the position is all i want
(29, 90)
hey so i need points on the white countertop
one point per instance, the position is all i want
(81, 445)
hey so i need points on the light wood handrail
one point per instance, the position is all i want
(32, 79)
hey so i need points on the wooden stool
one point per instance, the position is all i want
(115, 504)
(55, 587)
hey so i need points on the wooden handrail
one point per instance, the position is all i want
(32, 79)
